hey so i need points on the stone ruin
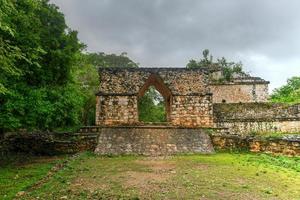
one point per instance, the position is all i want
(203, 114)
(189, 94)
(186, 94)
(198, 107)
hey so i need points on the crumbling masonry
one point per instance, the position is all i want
(195, 100)
(189, 94)
(186, 94)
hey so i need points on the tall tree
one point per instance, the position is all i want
(86, 77)
(9, 52)
(37, 52)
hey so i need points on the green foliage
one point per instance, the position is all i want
(206, 61)
(45, 81)
(110, 60)
(228, 68)
(42, 108)
(37, 52)
(86, 77)
(9, 53)
(289, 93)
(151, 107)
(87, 80)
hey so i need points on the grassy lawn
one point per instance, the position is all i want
(219, 176)
(20, 173)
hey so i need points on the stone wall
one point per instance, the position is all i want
(186, 93)
(152, 141)
(246, 128)
(246, 118)
(286, 145)
(180, 81)
(237, 92)
(112, 110)
(190, 111)
(144, 140)
(44, 143)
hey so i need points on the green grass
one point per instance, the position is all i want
(18, 173)
(218, 176)
(273, 135)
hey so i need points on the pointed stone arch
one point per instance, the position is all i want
(186, 93)
(156, 81)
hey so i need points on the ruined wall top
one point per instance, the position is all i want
(238, 79)
(129, 81)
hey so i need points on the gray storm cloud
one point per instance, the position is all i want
(263, 34)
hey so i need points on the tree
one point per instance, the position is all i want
(86, 77)
(110, 60)
(9, 53)
(37, 52)
(289, 93)
(228, 68)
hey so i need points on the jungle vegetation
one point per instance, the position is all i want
(46, 81)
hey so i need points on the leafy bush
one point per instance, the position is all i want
(289, 93)
(228, 68)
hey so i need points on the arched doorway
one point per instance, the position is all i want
(154, 84)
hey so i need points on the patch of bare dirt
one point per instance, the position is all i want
(88, 183)
(202, 166)
(241, 181)
(160, 171)
(144, 179)
(158, 166)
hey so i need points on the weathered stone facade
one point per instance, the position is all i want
(192, 111)
(186, 93)
(245, 90)
(193, 101)
(116, 109)
(246, 118)
(152, 141)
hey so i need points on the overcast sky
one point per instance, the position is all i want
(263, 34)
